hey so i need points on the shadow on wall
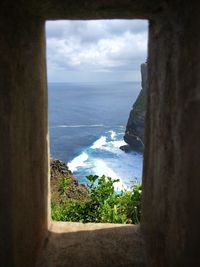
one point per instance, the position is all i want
(92, 245)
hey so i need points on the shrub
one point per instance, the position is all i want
(102, 204)
(64, 183)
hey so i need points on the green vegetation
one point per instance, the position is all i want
(64, 183)
(100, 204)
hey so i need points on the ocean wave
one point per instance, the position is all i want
(114, 148)
(119, 143)
(101, 168)
(104, 143)
(104, 157)
(77, 162)
(79, 126)
(113, 134)
(99, 143)
(110, 143)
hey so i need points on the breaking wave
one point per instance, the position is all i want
(104, 157)
(78, 162)
(79, 126)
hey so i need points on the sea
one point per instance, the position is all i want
(87, 122)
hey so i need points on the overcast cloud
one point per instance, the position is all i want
(101, 50)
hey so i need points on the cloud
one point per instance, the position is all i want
(103, 46)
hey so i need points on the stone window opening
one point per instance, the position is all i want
(134, 120)
(169, 231)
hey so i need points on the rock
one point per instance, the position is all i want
(64, 185)
(126, 148)
(134, 134)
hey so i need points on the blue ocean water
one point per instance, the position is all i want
(87, 123)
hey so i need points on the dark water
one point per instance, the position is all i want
(87, 123)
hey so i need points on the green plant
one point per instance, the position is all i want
(102, 204)
(64, 183)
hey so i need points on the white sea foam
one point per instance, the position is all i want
(117, 144)
(113, 147)
(115, 164)
(113, 135)
(77, 162)
(101, 168)
(79, 126)
(99, 143)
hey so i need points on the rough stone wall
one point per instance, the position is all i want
(171, 178)
(23, 139)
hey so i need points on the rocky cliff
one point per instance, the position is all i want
(64, 184)
(134, 134)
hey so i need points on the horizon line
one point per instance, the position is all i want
(92, 81)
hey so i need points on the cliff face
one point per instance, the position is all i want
(64, 184)
(134, 134)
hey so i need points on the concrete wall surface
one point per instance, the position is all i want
(171, 178)
(23, 139)
(92, 245)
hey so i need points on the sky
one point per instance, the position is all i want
(95, 51)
